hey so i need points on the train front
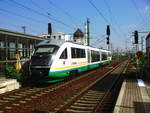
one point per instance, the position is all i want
(41, 62)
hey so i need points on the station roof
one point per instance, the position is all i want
(18, 34)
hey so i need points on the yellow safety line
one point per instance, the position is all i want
(59, 68)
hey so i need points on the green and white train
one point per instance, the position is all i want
(56, 60)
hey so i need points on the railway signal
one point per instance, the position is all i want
(49, 28)
(108, 30)
(136, 36)
(107, 40)
(108, 34)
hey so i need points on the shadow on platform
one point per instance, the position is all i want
(139, 107)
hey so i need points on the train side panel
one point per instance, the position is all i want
(63, 66)
(76, 58)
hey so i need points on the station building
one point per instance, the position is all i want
(58, 36)
(79, 37)
(15, 43)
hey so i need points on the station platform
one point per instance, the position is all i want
(134, 97)
(8, 85)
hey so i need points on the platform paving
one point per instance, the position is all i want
(8, 85)
(133, 98)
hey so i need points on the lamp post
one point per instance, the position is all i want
(24, 29)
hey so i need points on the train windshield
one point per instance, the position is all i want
(50, 49)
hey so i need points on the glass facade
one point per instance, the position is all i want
(11, 45)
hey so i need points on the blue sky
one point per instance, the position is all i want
(123, 16)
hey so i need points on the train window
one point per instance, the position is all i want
(95, 56)
(64, 54)
(104, 56)
(73, 53)
(45, 49)
(82, 53)
(77, 53)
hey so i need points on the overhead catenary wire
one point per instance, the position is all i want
(62, 10)
(41, 8)
(145, 23)
(99, 12)
(41, 14)
(73, 19)
(99, 40)
(105, 19)
(38, 6)
(139, 13)
(112, 17)
(143, 20)
(109, 10)
(25, 17)
(18, 26)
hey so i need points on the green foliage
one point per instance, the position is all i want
(133, 61)
(114, 57)
(11, 72)
(142, 60)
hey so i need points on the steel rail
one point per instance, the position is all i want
(101, 103)
(60, 110)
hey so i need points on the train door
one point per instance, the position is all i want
(100, 55)
(64, 58)
(89, 56)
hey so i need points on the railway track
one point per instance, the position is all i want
(49, 98)
(95, 100)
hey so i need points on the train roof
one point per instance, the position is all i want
(52, 42)
(61, 42)
(57, 42)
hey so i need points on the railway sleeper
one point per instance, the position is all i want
(82, 107)
(9, 98)
(90, 99)
(84, 104)
(4, 101)
(85, 101)
(16, 97)
(77, 111)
